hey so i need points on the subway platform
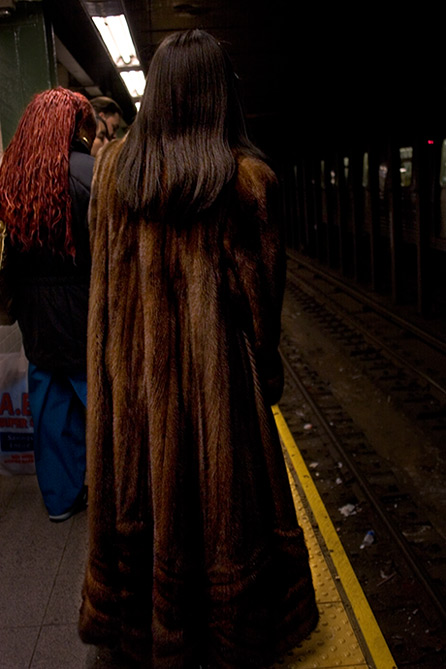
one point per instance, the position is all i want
(41, 572)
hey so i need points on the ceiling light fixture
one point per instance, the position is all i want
(135, 82)
(116, 36)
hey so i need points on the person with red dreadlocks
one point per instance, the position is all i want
(45, 179)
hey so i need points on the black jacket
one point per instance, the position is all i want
(51, 292)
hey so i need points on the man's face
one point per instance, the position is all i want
(112, 122)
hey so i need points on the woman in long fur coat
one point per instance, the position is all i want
(195, 554)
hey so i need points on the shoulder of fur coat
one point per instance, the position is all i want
(255, 184)
(106, 158)
(253, 181)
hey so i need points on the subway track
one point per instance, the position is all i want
(378, 336)
(362, 482)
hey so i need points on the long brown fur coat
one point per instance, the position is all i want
(195, 554)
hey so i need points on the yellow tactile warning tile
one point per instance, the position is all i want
(347, 634)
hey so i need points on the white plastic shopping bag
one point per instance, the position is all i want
(16, 426)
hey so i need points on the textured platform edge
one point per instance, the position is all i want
(366, 621)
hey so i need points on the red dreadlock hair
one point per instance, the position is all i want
(35, 201)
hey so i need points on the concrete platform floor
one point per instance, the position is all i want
(41, 572)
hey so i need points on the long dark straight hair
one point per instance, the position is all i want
(180, 152)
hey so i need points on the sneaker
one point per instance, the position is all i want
(80, 503)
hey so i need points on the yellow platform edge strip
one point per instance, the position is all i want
(370, 629)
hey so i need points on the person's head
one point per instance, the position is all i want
(188, 128)
(35, 199)
(101, 138)
(85, 130)
(110, 112)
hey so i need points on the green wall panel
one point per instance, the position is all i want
(27, 63)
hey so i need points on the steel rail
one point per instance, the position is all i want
(358, 294)
(379, 343)
(399, 539)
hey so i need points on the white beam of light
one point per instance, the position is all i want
(116, 35)
(135, 82)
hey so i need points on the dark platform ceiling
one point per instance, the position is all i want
(305, 71)
(251, 31)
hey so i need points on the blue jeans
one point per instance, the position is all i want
(57, 403)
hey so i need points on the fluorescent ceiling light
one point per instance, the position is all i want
(116, 35)
(135, 82)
